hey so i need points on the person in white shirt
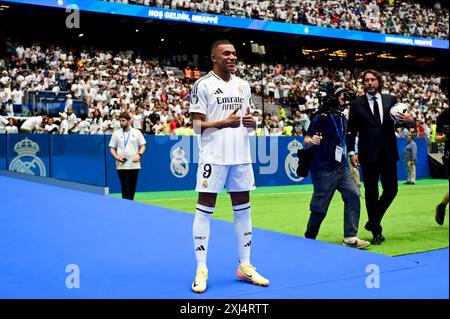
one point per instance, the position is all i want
(97, 122)
(84, 126)
(33, 123)
(107, 126)
(137, 120)
(12, 128)
(127, 146)
(221, 112)
(9, 108)
(72, 120)
(51, 127)
(68, 103)
(64, 126)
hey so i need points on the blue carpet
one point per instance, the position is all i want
(127, 250)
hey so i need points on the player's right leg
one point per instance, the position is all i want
(210, 181)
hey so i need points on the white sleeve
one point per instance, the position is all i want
(113, 142)
(199, 98)
(141, 139)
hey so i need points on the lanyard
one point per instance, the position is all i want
(340, 133)
(125, 140)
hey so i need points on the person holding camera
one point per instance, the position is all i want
(127, 146)
(325, 139)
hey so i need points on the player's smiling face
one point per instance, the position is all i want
(224, 57)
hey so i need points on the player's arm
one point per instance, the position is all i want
(201, 124)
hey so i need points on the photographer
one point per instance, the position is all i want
(127, 146)
(325, 138)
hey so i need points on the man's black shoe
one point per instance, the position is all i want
(377, 239)
(367, 226)
(440, 214)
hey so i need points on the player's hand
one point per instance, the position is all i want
(233, 120)
(405, 117)
(247, 120)
(354, 160)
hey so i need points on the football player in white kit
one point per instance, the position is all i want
(221, 113)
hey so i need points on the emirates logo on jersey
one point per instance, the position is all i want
(230, 102)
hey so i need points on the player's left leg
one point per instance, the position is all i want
(239, 182)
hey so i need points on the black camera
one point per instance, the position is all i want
(327, 97)
(349, 97)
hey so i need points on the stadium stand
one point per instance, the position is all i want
(391, 17)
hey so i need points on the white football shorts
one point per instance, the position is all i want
(212, 178)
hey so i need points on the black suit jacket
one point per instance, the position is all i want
(375, 140)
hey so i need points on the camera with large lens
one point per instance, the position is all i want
(326, 96)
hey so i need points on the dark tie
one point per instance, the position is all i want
(376, 110)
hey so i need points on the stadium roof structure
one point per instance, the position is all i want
(233, 22)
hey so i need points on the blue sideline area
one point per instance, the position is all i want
(127, 250)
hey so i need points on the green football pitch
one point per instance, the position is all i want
(409, 225)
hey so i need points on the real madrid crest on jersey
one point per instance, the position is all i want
(194, 98)
(241, 89)
(26, 160)
(179, 166)
(291, 162)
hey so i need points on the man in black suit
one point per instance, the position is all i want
(378, 154)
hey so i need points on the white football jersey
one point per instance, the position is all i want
(217, 99)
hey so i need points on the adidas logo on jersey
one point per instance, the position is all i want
(248, 244)
(200, 248)
(218, 91)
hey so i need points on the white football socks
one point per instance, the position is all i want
(243, 231)
(200, 232)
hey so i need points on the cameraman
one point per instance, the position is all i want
(325, 138)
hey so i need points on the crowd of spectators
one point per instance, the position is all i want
(408, 18)
(157, 97)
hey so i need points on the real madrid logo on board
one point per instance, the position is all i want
(26, 160)
(179, 166)
(291, 162)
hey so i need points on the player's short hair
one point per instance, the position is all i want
(375, 74)
(125, 115)
(216, 44)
